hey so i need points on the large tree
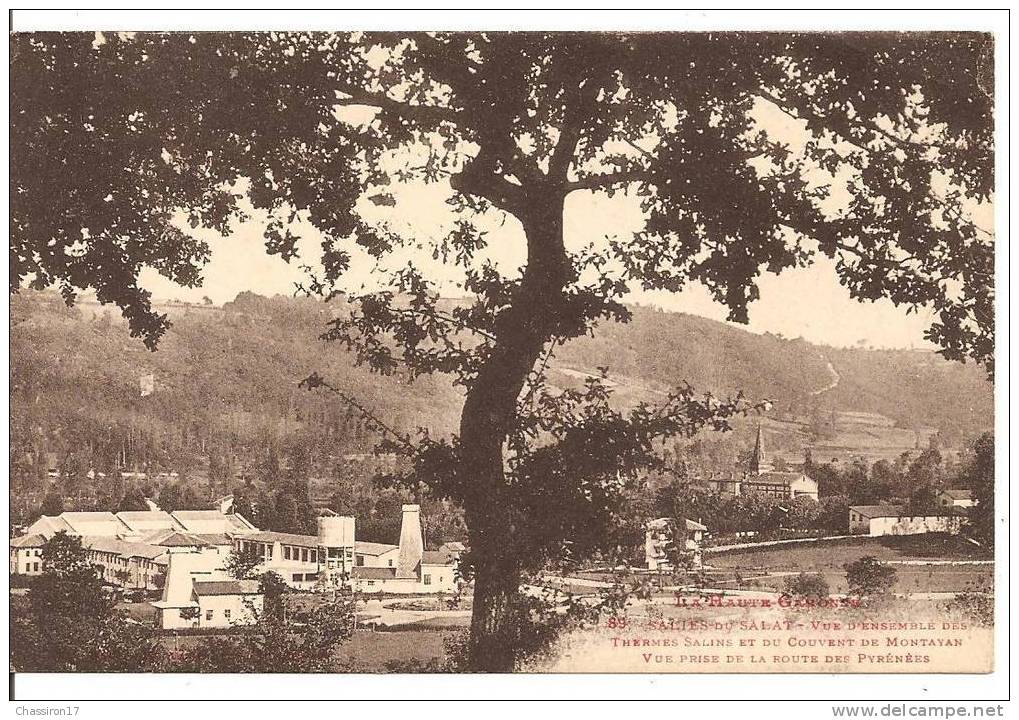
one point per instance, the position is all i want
(743, 153)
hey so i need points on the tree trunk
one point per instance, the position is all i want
(489, 413)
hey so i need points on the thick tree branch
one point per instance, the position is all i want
(480, 177)
(599, 182)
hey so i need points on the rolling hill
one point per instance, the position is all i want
(226, 377)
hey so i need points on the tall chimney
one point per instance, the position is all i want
(412, 547)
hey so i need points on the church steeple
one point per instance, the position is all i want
(759, 462)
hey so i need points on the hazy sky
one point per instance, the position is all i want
(807, 302)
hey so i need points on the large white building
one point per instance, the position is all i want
(306, 562)
(334, 558)
(899, 520)
(184, 556)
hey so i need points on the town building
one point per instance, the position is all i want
(761, 478)
(177, 606)
(373, 554)
(170, 552)
(876, 520)
(665, 535)
(226, 603)
(132, 548)
(132, 565)
(26, 554)
(957, 497)
(333, 558)
(306, 562)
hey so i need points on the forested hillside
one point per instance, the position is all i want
(225, 390)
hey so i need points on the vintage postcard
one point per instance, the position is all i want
(468, 351)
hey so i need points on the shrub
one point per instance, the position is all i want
(806, 585)
(868, 577)
(977, 607)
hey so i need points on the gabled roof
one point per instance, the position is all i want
(28, 541)
(95, 523)
(212, 521)
(883, 511)
(50, 525)
(438, 557)
(774, 477)
(123, 548)
(181, 539)
(453, 546)
(959, 493)
(154, 537)
(145, 520)
(663, 523)
(226, 587)
(873, 511)
(305, 541)
(373, 548)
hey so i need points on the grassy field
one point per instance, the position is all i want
(401, 651)
(419, 650)
(828, 558)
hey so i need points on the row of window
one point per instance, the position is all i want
(294, 553)
(300, 554)
(209, 614)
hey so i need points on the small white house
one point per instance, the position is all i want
(177, 608)
(663, 533)
(876, 520)
(26, 554)
(375, 554)
(957, 497)
(409, 568)
(227, 603)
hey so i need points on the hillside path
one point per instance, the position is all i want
(834, 379)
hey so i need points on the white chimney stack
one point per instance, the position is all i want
(412, 547)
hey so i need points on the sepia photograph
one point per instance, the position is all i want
(376, 351)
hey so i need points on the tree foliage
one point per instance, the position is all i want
(882, 175)
(978, 475)
(869, 577)
(71, 623)
(807, 585)
(275, 644)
